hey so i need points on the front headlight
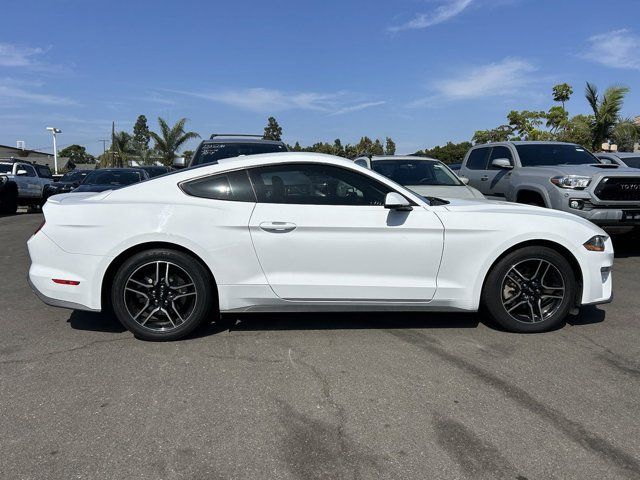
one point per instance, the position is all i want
(596, 244)
(574, 182)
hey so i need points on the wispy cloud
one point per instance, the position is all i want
(442, 13)
(502, 78)
(15, 93)
(28, 58)
(271, 100)
(616, 49)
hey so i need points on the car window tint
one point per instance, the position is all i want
(478, 159)
(44, 171)
(30, 170)
(362, 162)
(633, 162)
(211, 152)
(316, 184)
(233, 186)
(549, 154)
(499, 152)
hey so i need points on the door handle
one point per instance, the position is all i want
(484, 179)
(278, 227)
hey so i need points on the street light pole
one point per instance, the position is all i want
(54, 131)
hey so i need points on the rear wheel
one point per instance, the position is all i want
(530, 290)
(162, 294)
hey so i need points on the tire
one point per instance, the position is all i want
(173, 308)
(9, 201)
(528, 275)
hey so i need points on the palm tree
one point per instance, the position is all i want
(171, 139)
(122, 147)
(606, 112)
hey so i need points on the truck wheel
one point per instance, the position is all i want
(162, 294)
(9, 201)
(530, 290)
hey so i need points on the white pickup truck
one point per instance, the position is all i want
(30, 180)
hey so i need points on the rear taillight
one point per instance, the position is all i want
(40, 227)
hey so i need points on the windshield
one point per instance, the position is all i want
(539, 154)
(73, 176)
(6, 168)
(112, 177)
(416, 172)
(212, 152)
(157, 171)
(633, 162)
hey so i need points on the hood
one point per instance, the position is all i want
(494, 206)
(445, 191)
(584, 170)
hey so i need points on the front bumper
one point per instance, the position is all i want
(597, 275)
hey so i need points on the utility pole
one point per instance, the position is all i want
(104, 144)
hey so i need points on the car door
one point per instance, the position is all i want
(475, 166)
(321, 232)
(494, 180)
(34, 187)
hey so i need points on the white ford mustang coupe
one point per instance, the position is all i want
(309, 232)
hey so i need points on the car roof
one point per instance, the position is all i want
(118, 169)
(375, 158)
(625, 154)
(240, 139)
(523, 142)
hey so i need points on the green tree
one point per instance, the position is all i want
(606, 112)
(188, 155)
(273, 131)
(296, 147)
(389, 147)
(625, 134)
(121, 148)
(562, 93)
(141, 134)
(557, 118)
(449, 153)
(577, 130)
(338, 149)
(77, 154)
(498, 134)
(170, 139)
(524, 122)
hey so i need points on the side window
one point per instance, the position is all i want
(30, 170)
(44, 172)
(232, 186)
(315, 184)
(362, 162)
(499, 152)
(478, 159)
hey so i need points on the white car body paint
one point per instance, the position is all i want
(336, 257)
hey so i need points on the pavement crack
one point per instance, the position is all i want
(574, 430)
(46, 355)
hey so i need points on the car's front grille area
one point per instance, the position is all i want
(618, 189)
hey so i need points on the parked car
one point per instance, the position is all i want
(562, 176)
(309, 232)
(425, 176)
(8, 196)
(624, 159)
(156, 170)
(224, 145)
(111, 179)
(455, 166)
(30, 180)
(67, 183)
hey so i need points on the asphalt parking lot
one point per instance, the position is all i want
(317, 396)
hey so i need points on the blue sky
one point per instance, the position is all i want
(420, 71)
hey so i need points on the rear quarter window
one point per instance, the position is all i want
(231, 186)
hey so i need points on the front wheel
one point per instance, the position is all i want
(162, 294)
(530, 290)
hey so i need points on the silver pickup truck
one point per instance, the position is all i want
(30, 180)
(563, 176)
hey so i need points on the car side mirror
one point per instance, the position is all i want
(179, 162)
(464, 180)
(395, 201)
(502, 163)
(21, 172)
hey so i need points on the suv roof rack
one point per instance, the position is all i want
(214, 135)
